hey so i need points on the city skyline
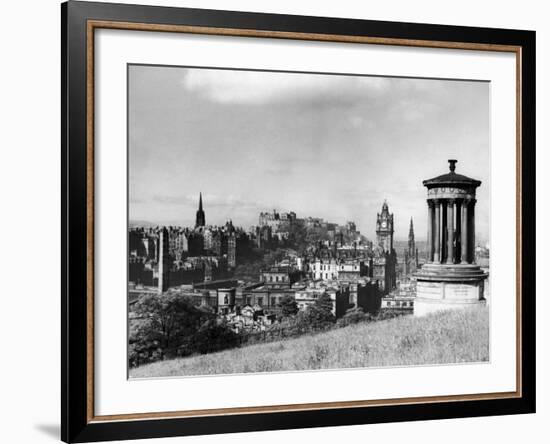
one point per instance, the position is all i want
(190, 223)
(326, 146)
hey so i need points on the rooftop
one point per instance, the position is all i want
(451, 179)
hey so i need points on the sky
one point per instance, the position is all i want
(330, 146)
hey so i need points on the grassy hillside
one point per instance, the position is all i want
(445, 337)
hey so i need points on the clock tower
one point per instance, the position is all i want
(384, 229)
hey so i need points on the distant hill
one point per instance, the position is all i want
(440, 338)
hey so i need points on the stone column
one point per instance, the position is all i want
(464, 232)
(450, 230)
(472, 231)
(430, 230)
(437, 233)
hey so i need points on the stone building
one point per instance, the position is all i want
(384, 228)
(401, 299)
(231, 250)
(263, 236)
(450, 278)
(267, 297)
(325, 269)
(333, 268)
(338, 294)
(178, 246)
(226, 300)
(282, 276)
(275, 219)
(195, 243)
(385, 257)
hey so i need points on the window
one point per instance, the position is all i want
(260, 301)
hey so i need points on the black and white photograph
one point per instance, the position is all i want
(299, 221)
(277, 221)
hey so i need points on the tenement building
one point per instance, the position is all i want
(450, 278)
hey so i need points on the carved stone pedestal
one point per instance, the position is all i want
(443, 287)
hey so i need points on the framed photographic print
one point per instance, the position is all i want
(275, 221)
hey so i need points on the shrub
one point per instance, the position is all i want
(289, 307)
(353, 316)
(213, 336)
(382, 315)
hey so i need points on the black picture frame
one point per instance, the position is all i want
(76, 423)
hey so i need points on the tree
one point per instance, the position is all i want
(163, 325)
(319, 315)
(324, 305)
(213, 336)
(289, 307)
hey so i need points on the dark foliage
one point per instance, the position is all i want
(213, 336)
(163, 326)
(317, 316)
(289, 307)
(353, 316)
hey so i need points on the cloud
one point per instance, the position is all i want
(209, 200)
(258, 87)
(413, 110)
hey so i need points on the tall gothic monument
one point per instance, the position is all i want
(411, 253)
(200, 220)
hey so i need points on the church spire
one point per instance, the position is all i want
(200, 221)
(412, 246)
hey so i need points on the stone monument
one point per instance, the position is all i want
(450, 278)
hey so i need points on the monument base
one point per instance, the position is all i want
(446, 287)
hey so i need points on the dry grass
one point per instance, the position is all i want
(440, 338)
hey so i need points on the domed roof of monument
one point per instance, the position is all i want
(451, 179)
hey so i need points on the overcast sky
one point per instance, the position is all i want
(329, 146)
